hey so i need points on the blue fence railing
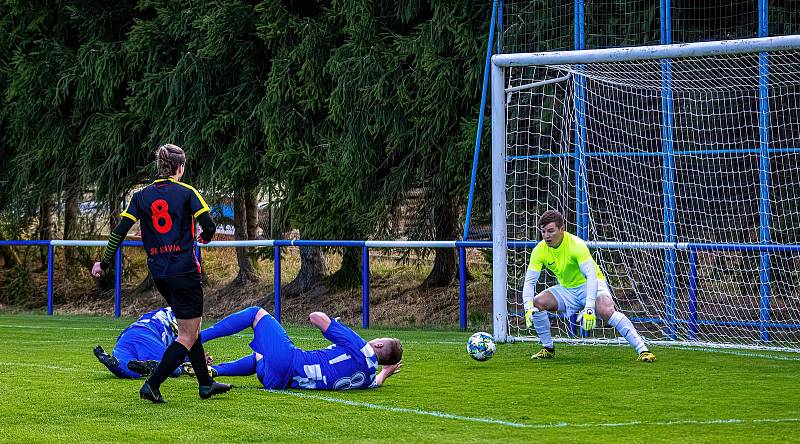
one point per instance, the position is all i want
(669, 322)
(461, 246)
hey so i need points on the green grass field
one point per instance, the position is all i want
(53, 389)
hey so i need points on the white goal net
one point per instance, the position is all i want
(682, 173)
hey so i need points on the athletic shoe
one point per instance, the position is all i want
(144, 368)
(216, 388)
(151, 394)
(545, 354)
(188, 370)
(105, 359)
(646, 356)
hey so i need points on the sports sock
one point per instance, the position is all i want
(231, 324)
(172, 358)
(241, 367)
(541, 322)
(197, 356)
(625, 327)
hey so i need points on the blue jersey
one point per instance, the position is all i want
(148, 337)
(350, 363)
(167, 209)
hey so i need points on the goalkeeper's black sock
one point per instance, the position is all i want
(197, 356)
(173, 356)
(550, 349)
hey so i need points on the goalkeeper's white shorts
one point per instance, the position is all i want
(573, 300)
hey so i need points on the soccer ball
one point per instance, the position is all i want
(481, 346)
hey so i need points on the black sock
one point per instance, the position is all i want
(550, 349)
(172, 358)
(197, 356)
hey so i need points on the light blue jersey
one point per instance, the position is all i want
(350, 363)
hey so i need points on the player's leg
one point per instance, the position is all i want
(231, 324)
(544, 302)
(274, 352)
(115, 364)
(605, 309)
(245, 366)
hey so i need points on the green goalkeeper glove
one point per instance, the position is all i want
(529, 312)
(588, 319)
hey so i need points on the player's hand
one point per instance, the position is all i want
(200, 239)
(209, 359)
(97, 270)
(587, 319)
(529, 316)
(392, 369)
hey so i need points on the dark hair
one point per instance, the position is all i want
(392, 352)
(168, 158)
(551, 216)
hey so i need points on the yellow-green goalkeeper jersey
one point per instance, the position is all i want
(564, 261)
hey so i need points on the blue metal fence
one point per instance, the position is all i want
(666, 319)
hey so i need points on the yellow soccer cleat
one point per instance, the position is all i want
(544, 354)
(188, 370)
(646, 356)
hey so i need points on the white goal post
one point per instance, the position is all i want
(680, 167)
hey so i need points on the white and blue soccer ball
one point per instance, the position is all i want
(481, 346)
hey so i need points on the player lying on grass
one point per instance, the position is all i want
(349, 363)
(582, 288)
(141, 345)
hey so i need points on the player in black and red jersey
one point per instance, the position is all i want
(167, 210)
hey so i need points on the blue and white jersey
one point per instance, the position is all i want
(160, 324)
(350, 363)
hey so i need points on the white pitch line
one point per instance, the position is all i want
(399, 409)
(532, 426)
(741, 353)
(467, 418)
(55, 367)
(58, 327)
(300, 338)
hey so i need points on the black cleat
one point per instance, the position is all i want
(216, 388)
(104, 358)
(151, 394)
(144, 368)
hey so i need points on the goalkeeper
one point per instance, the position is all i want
(582, 288)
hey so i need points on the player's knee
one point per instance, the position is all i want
(260, 313)
(604, 307)
(545, 302)
(187, 339)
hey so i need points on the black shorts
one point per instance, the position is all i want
(184, 294)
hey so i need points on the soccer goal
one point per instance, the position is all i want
(680, 167)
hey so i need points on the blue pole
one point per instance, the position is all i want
(668, 184)
(50, 279)
(581, 197)
(462, 287)
(277, 284)
(764, 211)
(481, 113)
(365, 287)
(693, 294)
(118, 282)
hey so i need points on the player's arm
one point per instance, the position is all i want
(320, 320)
(207, 226)
(114, 241)
(386, 371)
(590, 273)
(528, 292)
